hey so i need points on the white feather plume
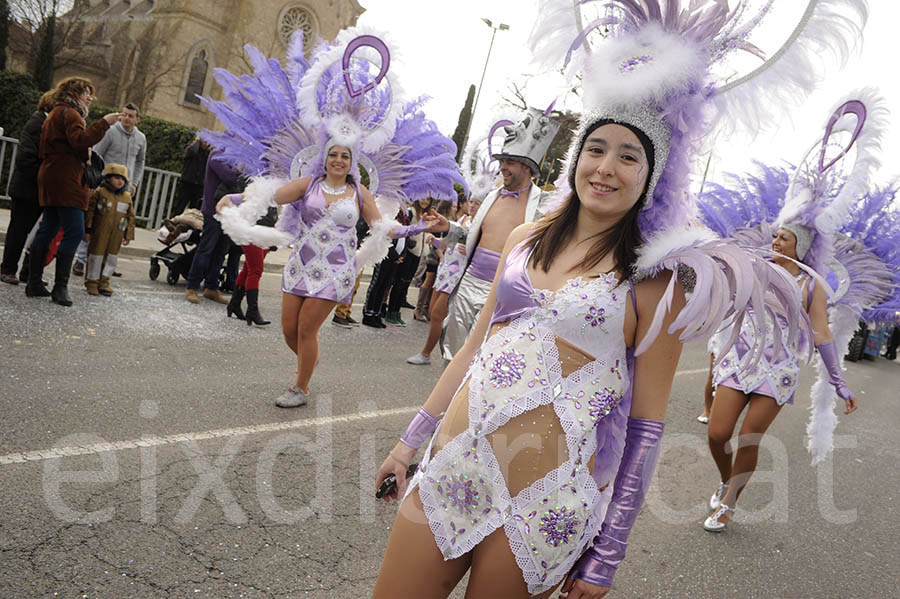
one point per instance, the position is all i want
(868, 148)
(306, 93)
(375, 247)
(651, 65)
(239, 222)
(822, 418)
(831, 33)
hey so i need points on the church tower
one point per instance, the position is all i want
(160, 54)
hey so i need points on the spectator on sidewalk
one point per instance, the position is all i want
(382, 276)
(62, 186)
(210, 252)
(190, 185)
(23, 192)
(124, 144)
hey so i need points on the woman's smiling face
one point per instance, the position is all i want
(337, 161)
(612, 171)
(784, 242)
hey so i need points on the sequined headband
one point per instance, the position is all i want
(642, 117)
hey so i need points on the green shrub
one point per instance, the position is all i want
(19, 97)
(166, 140)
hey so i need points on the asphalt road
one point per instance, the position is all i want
(141, 456)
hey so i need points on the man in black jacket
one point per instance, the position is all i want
(23, 190)
(190, 186)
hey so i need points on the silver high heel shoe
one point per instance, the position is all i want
(716, 500)
(713, 522)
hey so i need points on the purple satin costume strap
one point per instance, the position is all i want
(810, 288)
(514, 291)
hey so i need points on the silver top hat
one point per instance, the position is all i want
(527, 141)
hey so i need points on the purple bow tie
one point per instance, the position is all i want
(507, 193)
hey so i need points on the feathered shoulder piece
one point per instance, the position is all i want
(728, 285)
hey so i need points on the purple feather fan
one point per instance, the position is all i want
(875, 223)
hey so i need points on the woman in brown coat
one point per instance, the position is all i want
(62, 186)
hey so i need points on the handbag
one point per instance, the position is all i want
(93, 170)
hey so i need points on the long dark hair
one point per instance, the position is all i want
(622, 239)
(551, 234)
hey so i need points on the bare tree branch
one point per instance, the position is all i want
(518, 100)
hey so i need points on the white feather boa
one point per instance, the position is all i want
(375, 247)
(239, 222)
(822, 419)
(868, 148)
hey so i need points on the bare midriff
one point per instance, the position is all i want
(528, 446)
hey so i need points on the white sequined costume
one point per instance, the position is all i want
(517, 445)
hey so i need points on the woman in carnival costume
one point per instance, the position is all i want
(573, 356)
(302, 132)
(482, 176)
(817, 231)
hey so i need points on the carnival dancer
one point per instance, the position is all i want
(551, 414)
(482, 173)
(313, 126)
(519, 201)
(812, 206)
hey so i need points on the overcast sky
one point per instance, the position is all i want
(440, 48)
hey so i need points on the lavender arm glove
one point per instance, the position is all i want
(599, 563)
(422, 426)
(828, 351)
(409, 230)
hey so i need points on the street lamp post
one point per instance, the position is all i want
(499, 27)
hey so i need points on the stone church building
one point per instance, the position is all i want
(160, 54)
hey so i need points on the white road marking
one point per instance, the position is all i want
(61, 452)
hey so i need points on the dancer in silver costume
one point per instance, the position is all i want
(503, 209)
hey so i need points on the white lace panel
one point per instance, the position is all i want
(517, 395)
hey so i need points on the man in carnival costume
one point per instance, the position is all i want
(519, 201)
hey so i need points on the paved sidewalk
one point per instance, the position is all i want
(146, 244)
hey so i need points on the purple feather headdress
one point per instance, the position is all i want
(654, 70)
(830, 179)
(280, 122)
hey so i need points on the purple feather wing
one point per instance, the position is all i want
(732, 285)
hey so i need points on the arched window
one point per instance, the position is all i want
(196, 78)
(293, 18)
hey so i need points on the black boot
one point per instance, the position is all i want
(234, 306)
(253, 315)
(35, 286)
(60, 293)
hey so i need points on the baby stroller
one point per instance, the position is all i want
(182, 230)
